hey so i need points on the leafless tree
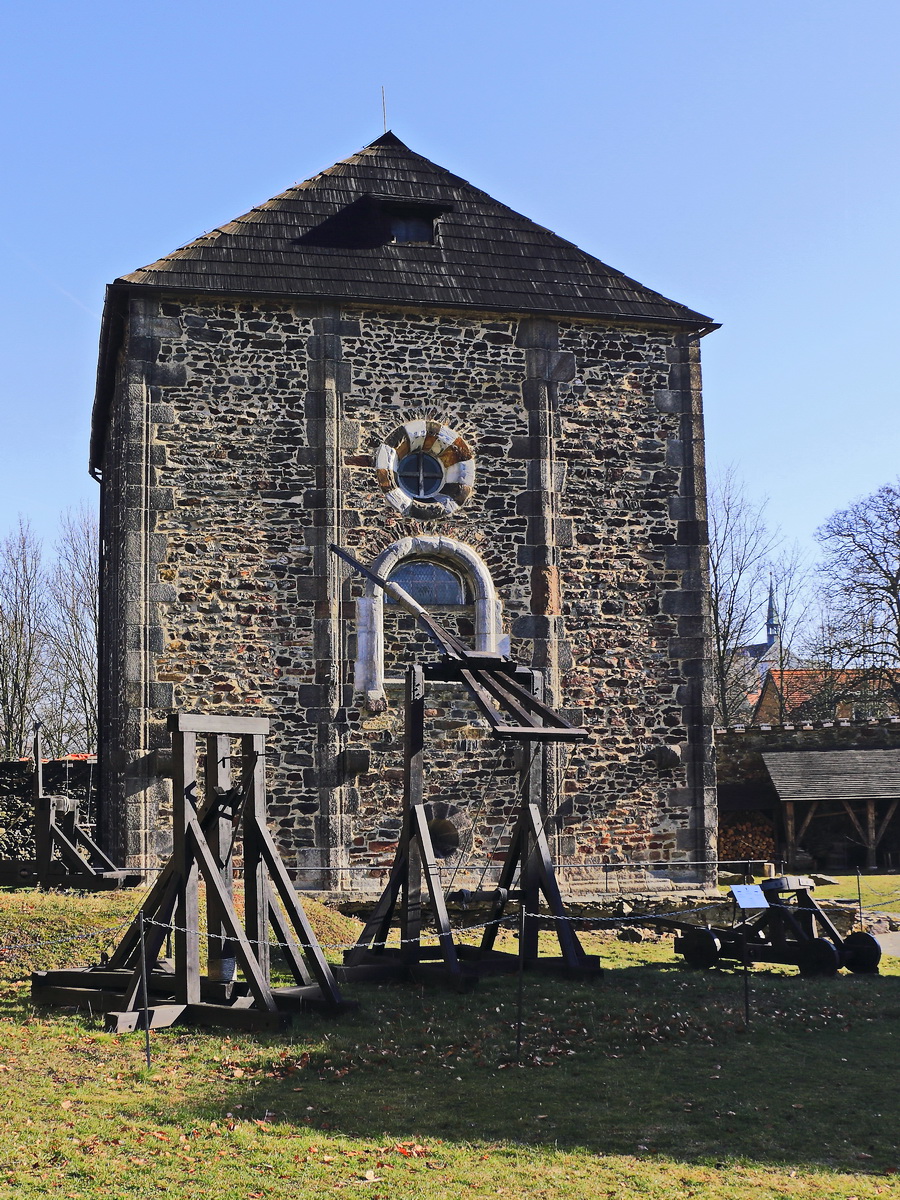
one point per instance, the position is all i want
(71, 635)
(23, 612)
(861, 580)
(790, 580)
(740, 550)
(48, 639)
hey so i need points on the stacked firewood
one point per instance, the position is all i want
(747, 836)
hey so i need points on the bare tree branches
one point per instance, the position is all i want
(23, 611)
(72, 629)
(48, 639)
(790, 576)
(861, 581)
(740, 549)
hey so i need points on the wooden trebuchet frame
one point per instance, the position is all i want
(204, 836)
(508, 696)
(66, 856)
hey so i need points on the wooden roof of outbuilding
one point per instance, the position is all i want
(835, 774)
(484, 255)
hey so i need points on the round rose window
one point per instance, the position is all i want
(425, 469)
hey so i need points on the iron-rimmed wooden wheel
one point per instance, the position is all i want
(701, 949)
(818, 957)
(862, 953)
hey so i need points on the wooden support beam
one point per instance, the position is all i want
(790, 840)
(161, 1016)
(248, 950)
(853, 817)
(256, 884)
(422, 839)
(413, 792)
(289, 945)
(882, 829)
(316, 962)
(212, 723)
(871, 841)
(220, 836)
(377, 927)
(804, 824)
(187, 904)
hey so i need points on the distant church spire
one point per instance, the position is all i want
(773, 625)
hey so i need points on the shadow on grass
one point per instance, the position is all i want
(650, 1060)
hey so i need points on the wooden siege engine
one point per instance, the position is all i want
(135, 987)
(506, 695)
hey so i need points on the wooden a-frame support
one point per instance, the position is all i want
(507, 696)
(204, 834)
(66, 856)
(528, 854)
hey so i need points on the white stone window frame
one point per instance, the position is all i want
(451, 451)
(369, 675)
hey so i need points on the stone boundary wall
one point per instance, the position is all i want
(749, 805)
(62, 777)
(739, 748)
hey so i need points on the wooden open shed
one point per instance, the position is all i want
(864, 785)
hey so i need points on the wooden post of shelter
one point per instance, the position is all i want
(871, 837)
(790, 841)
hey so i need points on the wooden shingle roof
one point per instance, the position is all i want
(835, 774)
(484, 255)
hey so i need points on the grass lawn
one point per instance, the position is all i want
(878, 891)
(643, 1084)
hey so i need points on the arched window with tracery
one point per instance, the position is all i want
(431, 584)
(438, 572)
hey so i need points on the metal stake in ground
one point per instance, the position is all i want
(521, 984)
(144, 997)
(749, 898)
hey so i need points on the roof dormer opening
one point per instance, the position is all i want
(412, 228)
(373, 221)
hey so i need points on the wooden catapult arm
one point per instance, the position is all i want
(509, 707)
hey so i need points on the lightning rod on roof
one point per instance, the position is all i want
(383, 109)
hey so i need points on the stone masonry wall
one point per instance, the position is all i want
(242, 443)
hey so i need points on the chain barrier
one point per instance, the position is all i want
(9, 948)
(508, 919)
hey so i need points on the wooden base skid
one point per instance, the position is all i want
(378, 967)
(474, 964)
(222, 1004)
(24, 873)
(496, 962)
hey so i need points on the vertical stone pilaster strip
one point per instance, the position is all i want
(691, 646)
(131, 632)
(545, 367)
(327, 380)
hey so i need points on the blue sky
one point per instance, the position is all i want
(739, 157)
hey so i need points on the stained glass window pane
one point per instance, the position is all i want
(429, 583)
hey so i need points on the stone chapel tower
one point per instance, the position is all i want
(386, 358)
